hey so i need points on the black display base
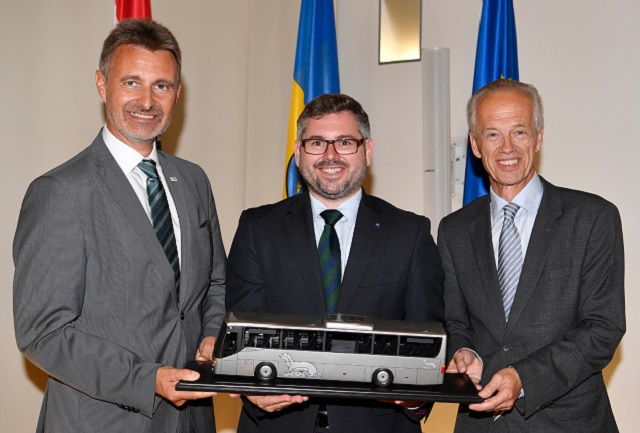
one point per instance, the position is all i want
(456, 388)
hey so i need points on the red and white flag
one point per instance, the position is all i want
(132, 9)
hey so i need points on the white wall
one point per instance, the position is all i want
(238, 60)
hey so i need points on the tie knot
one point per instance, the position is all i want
(148, 167)
(510, 210)
(331, 216)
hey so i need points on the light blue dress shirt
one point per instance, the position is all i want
(344, 227)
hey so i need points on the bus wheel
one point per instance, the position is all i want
(265, 371)
(382, 377)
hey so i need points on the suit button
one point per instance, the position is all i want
(506, 348)
(182, 315)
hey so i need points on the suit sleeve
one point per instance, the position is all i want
(456, 311)
(246, 284)
(49, 253)
(557, 368)
(425, 283)
(214, 308)
(425, 292)
(245, 278)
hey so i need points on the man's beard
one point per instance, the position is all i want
(334, 190)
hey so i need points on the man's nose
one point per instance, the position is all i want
(331, 153)
(146, 98)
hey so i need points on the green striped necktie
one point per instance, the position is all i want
(330, 262)
(161, 217)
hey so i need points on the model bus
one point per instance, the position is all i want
(331, 347)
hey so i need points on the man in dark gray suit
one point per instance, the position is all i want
(389, 265)
(119, 261)
(535, 301)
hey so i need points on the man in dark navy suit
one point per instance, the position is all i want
(389, 265)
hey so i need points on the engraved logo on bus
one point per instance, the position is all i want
(299, 368)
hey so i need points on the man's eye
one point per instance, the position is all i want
(315, 143)
(130, 83)
(344, 143)
(162, 87)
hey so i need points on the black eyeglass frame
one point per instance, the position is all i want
(359, 142)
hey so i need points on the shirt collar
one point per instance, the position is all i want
(349, 208)
(126, 157)
(529, 199)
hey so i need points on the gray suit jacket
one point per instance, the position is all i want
(393, 272)
(94, 294)
(567, 317)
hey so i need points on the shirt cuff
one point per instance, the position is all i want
(472, 351)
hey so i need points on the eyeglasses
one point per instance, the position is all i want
(342, 146)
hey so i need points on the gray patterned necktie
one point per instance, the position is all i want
(161, 217)
(509, 257)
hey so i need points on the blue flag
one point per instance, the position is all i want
(496, 57)
(315, 72)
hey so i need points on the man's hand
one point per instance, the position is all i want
(500, 393)
(168, 377)
(273, 403)
(465, 361)
(205, 350)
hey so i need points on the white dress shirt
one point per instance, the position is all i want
(128, 160)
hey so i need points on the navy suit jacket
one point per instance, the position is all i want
(393, 272)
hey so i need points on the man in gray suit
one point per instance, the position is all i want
(119, 261)
(535, 302)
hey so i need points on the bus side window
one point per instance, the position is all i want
(230, 344)
(341, 342)
(262, 338)
(364, 343)
(420, 347)
(385, 344)
(302, 340)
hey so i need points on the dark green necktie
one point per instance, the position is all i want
(161, 217)
(330, 263)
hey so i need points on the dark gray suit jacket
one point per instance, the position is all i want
(393, 272)
(567, 317)
(94, 294)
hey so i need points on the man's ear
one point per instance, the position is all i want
(101, 85)
(474, 146)
(296, 151)
(368, 148)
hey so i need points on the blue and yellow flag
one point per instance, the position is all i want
(496, 57)
(315, 72)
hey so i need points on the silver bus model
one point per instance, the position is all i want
(332, 347)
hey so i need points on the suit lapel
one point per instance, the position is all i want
(370, 224)
(542, 237)
(123, 196)
(482, 244)
(298, 224)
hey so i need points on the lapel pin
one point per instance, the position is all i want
(173, 178)
(377, 225)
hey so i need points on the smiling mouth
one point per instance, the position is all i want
(509, 162)
(331, 170)
(141, 116)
